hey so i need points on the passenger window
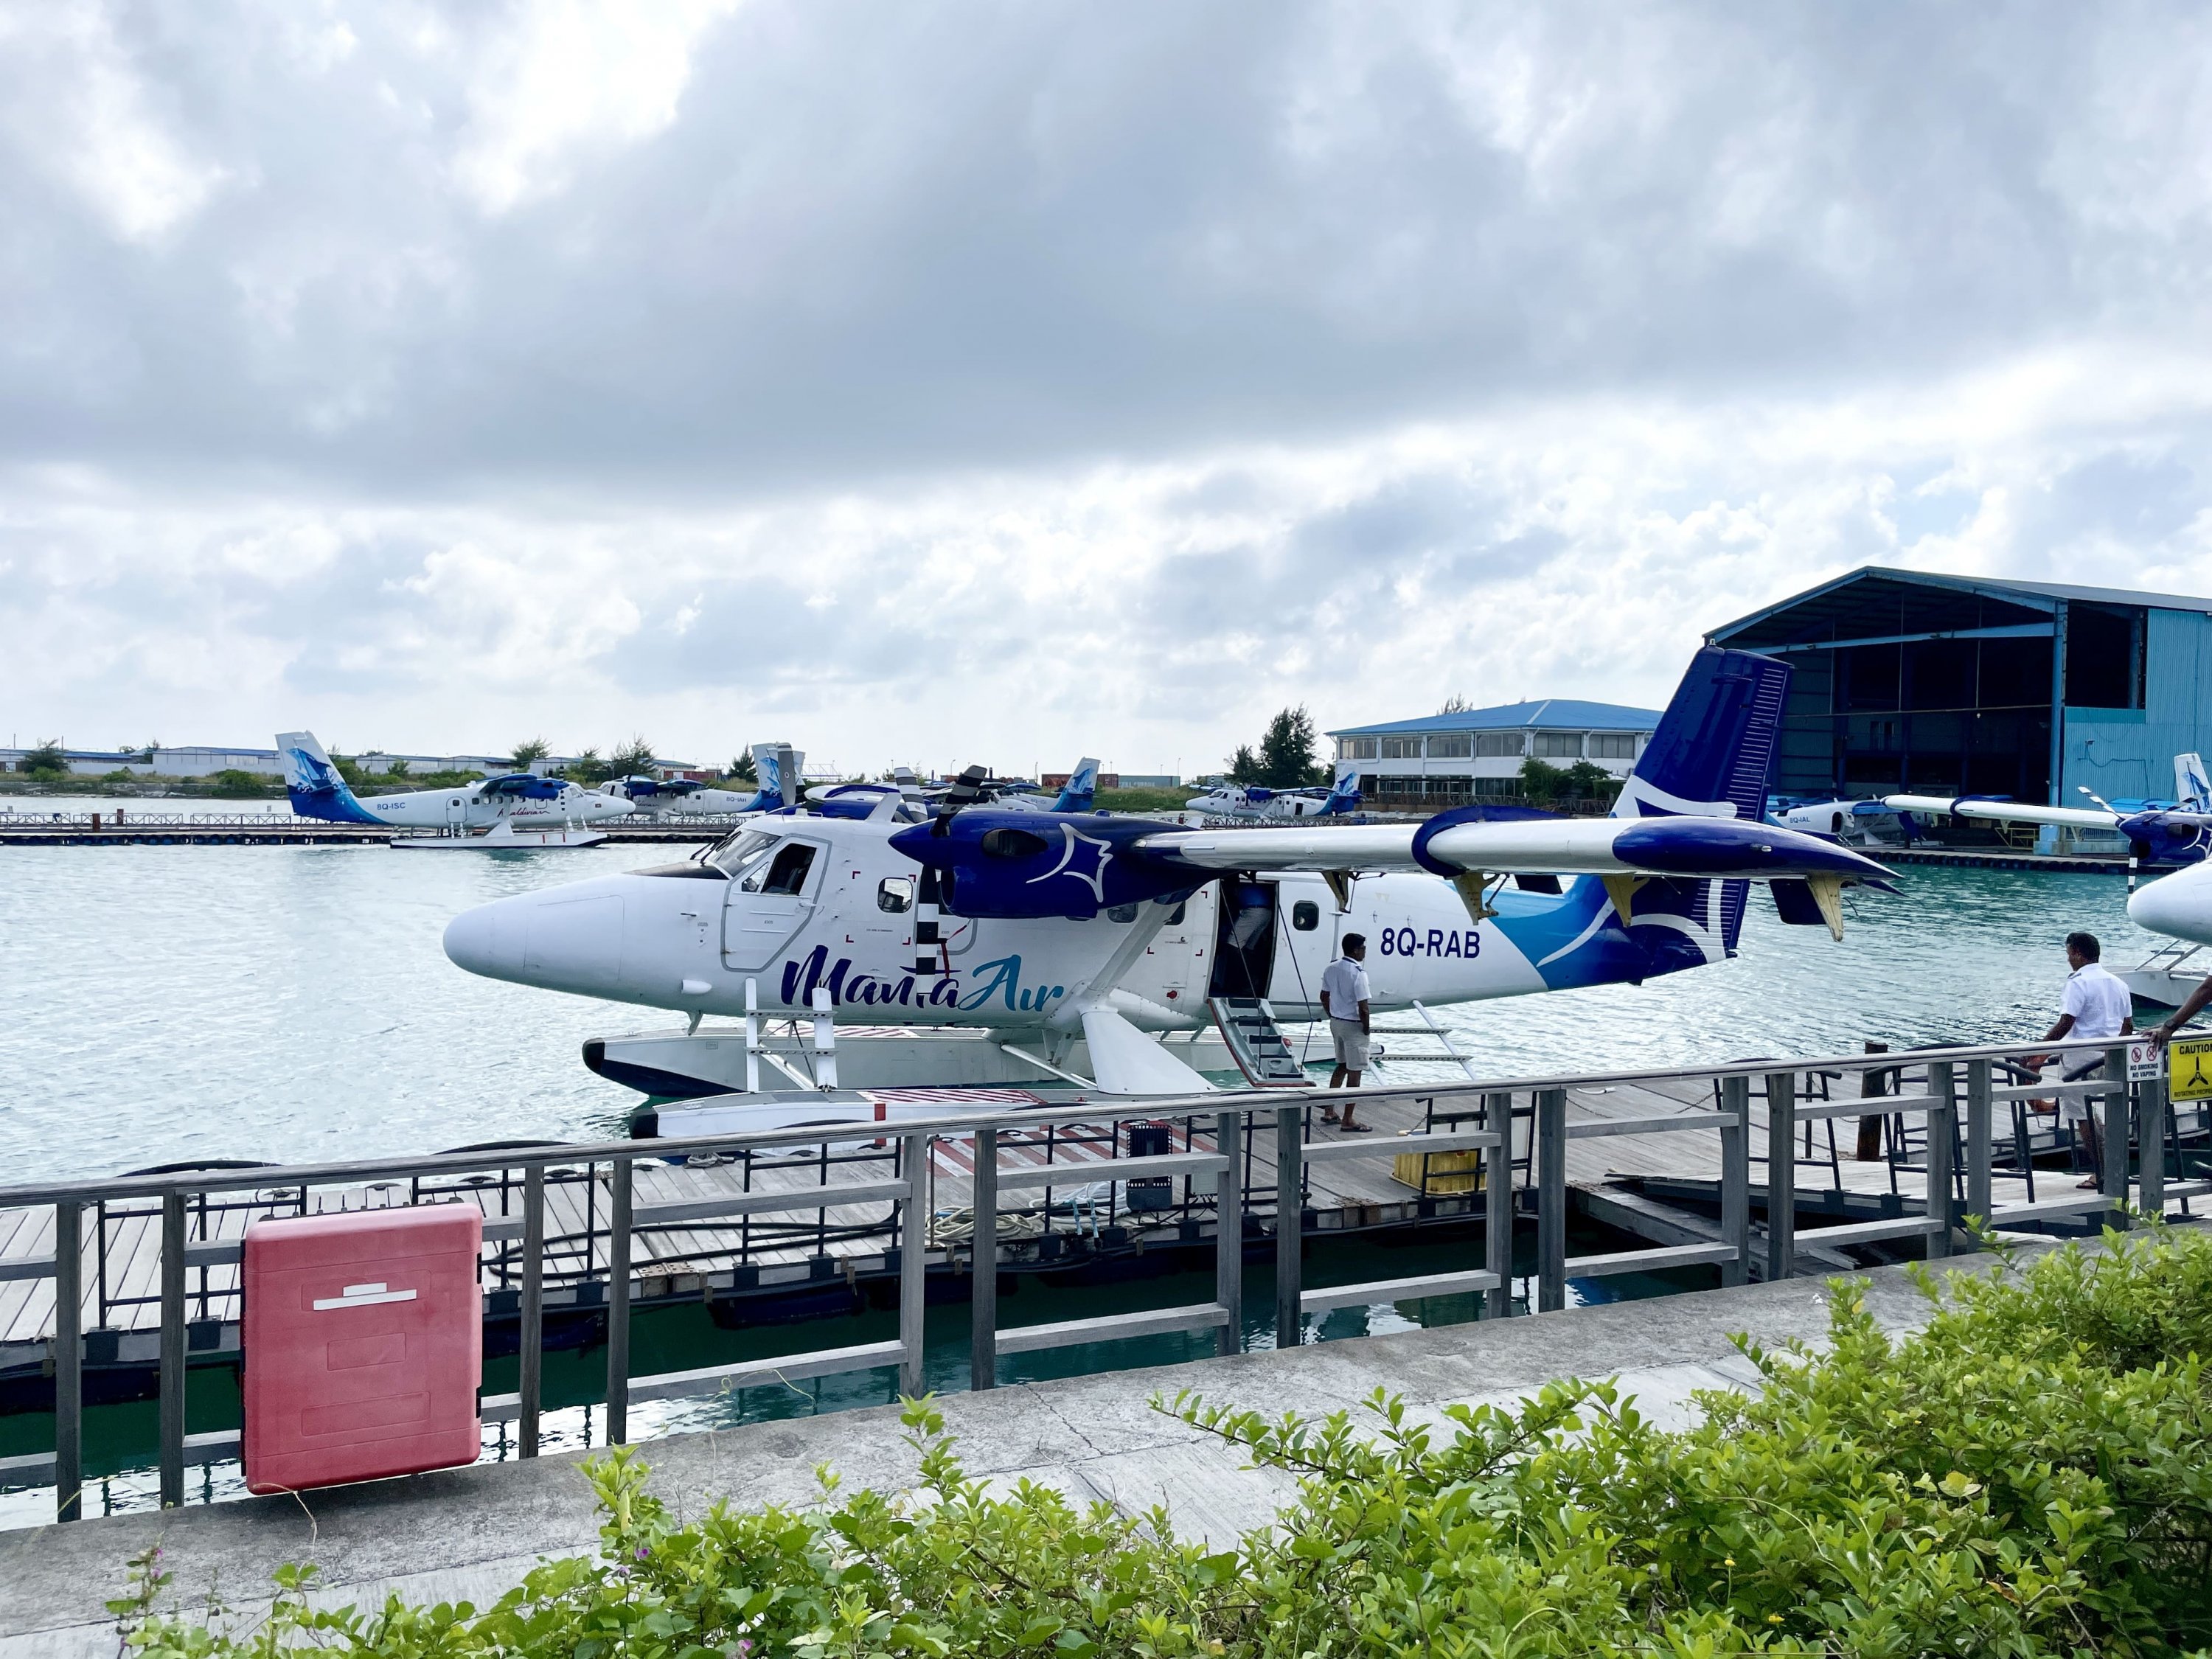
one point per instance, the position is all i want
(895, 894)
(785, 874)
(1124, 913)
(1174, 916)
(1305, 915)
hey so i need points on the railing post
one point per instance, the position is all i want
(984, 1254)
(172, 1350)
(1781, 1174)
(2117, 1125)
(1980, 1126)
(1551, 1200)
(1290, 1225)
(2150, 1140)
(618, 1205)
(914, 1263)
(531, 1369)
(1497, 1205)
(1229, 1230)
(1942, 1141)
(1735, 1178)
(69, 1361)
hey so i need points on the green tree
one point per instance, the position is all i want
(397, 769)
(528, 753)
(633, 757)
(1244, 768)
(1287, 752)
(588, 768)
(46, 761)
(1542, 783)
(743, 769)
(1586, 780)
(1454, 704)
(232, 781)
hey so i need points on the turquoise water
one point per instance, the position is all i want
(164, 1003)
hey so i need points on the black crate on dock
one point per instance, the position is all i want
(1153, 1139)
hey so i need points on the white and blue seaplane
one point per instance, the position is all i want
(1264, 805)
(990, 947)
(2156, 833)
(514, 811)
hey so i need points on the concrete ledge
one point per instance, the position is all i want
(470, 1534)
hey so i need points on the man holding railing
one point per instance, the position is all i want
(2095, 1004)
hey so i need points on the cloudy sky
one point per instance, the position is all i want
(939, 382)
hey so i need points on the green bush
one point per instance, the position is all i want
(2029, 1475)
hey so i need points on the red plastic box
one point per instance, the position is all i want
(363, 1344)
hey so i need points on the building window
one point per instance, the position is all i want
(1494, 743)
(1559, 745)
(1402, 749)
(1355, 748)
(1456, 747)
(1612, 745)
(1497, 788)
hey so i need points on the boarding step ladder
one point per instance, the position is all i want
(1255, 1044)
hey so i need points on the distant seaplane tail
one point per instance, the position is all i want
(316, 788)
(1080, 789)
(2193, 790)
(1344, 795)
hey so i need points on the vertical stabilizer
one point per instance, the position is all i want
(1715, 743)
(1344, 795)
(1081, 789)
(2193, 790)
(317, 789)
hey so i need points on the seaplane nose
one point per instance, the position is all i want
(2178, 905)
(487, 940)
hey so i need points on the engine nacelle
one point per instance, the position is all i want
(1011, 866)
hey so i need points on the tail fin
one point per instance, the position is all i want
(1715, 743)
(2192, 788)
(777, 767)
(1710, 757)
(1082, 785)
(317, 789)
(1344, 795)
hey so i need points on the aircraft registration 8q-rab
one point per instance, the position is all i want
(1081, 938)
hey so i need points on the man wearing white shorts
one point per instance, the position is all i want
(1344, 1000)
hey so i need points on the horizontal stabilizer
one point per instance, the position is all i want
(1125, 1061)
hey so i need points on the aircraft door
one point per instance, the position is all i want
(1307, 924)
(456, 813)
(770, 899)
(1243, 938)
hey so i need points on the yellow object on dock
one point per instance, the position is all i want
(1439, 1172)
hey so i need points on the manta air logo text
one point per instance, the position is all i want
(1000, 980)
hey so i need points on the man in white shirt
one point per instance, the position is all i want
(2096, 1003)
(1344, 1000)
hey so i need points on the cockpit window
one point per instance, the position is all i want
(895, 894)
(733, 852)
(785, 874)
(1011, 844)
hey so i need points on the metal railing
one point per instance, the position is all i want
(520, 1246)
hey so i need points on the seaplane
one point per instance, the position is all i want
(989, 946)
(514, 811)
(1854, 823)
(2156, 834)
(651, 797)
(1251, 801)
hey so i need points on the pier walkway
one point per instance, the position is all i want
(470, 1533)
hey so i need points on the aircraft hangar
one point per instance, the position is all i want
(1942, 685)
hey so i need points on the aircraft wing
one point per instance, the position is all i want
(2005, 811)
(1673, 845)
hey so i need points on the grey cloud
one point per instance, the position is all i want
(876, 242)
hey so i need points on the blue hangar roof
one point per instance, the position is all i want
(1554, 713)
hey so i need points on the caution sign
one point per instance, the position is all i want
(2191, 1074)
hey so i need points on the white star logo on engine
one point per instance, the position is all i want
(1095, 875)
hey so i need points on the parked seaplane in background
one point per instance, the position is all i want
(655, 797)
(2155, 833)
(1272, 806)
(1854, 823)
(1064, 946)
(513, 810)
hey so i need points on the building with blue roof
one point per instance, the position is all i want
(1476, 754)
(1937, 684)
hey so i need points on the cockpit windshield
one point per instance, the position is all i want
(739, 849)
